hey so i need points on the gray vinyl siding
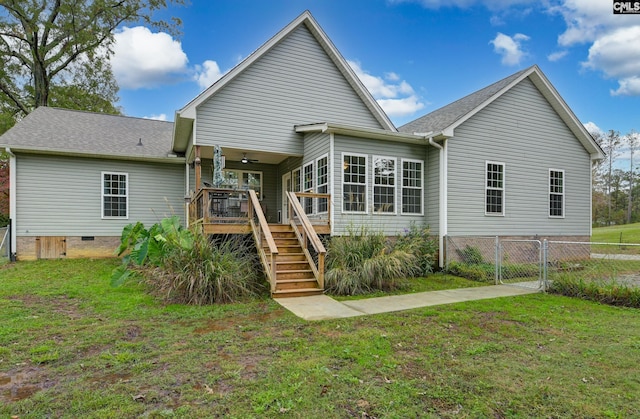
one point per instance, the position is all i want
(521, 130)
(293, 83)
(388, 224)
(432, 185)
(61, 196)
(315, 146)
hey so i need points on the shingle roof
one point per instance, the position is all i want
(49, 129)
(444, 117)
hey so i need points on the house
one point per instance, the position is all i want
(291, 134)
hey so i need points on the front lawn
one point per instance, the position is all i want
(71, 346)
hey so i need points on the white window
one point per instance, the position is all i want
(322, 180)
(354, 183)
(296, 180)
(412, 186)
(384, 185)
(115, 195)
(494, 188)
(556, 193)
(307, 186)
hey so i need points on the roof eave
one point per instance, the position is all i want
(361, 132)
(49, 152)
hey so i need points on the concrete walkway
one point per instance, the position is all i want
(322, 307)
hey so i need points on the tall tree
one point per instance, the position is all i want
(56, 51)
(611, 146)
(632, 140)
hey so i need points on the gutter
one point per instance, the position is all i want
(13, 216)
(442, 186)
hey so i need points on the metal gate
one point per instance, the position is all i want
(521, 263)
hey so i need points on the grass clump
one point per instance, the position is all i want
(606, 292)
(364, 261)
(185, 266)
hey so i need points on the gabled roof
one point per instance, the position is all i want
(188, 112)
(49, 130)
(443, 122)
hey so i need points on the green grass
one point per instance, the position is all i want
(630, 233)
(71, 346)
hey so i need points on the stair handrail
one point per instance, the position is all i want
(261, 230)
(310, 233)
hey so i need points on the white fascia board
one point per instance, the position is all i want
(361, 132)
(44, 151)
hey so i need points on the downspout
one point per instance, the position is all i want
(13, 215)
(332, 182)
(442, 186)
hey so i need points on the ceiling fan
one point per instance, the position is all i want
(246, 160)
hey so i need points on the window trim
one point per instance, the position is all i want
(319, 185)
(103, 195)
(503, 188)
(395, 184)
(562, 194)
(366, 182)
(402, 187)
(305, 188)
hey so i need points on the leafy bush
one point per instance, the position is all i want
(183, 266)
(417, 241)
(364, 260)
(471, 255)
(4, 220)
(481, 272)
(605, 292)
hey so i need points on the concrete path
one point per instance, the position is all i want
(322, 307)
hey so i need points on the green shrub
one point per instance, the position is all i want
(481, 272)
(471, 255)
(183, 266)
(207, 272)
(364, 260)
(416, 240)
(4, 220)
(605, 292)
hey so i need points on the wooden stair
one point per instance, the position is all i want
(294, 276)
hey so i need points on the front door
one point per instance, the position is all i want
(287, 186)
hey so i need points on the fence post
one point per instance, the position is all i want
(497, 260)
(545, 264)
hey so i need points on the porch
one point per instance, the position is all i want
(291, 254)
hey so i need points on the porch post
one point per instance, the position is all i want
(198, 168)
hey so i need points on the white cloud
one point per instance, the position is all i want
(509, 47)
(207, 73)
(395, 96)
(558, 55)
(627, 87)
(159, 117)
(614, 39)
(593, 128)
(145, 59)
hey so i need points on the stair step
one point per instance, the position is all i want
(292, 257)
(301, 292)
(295, 275)
(296, 265)
(287, 284)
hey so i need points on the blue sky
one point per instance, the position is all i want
(414, 55)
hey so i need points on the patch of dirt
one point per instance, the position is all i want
(20, 384)
(58, 304)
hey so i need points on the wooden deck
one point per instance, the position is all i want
(292, 254)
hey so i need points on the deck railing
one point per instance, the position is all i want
(262, 236)
(306, 232)
(219, 206)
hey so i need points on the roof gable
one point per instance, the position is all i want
(188, 112)
(48, 130)
(445, 120)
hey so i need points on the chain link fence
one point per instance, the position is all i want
(534, 263)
